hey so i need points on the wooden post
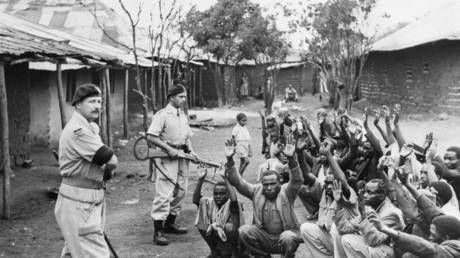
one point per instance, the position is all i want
(108, 116)
(5, 159)
(103, 118)
(200, 86)
(61, 99)
(125, 104)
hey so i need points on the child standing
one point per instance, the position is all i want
(240, 135)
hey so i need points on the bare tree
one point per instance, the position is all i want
(133, 49)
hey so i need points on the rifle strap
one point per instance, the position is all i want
(167, 177)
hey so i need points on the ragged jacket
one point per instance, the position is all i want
(284, 201)
(390, 216)
(426, 249)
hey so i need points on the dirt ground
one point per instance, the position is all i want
(33, 232)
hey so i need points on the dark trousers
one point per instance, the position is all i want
(260, 243)
(220, 248)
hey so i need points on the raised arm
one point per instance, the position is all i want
(309, 178)
(379, 128)
(336, 170)
(312, 134)
(397, 129)
(295, 178)
(428, 208)
(409, 243)
(371, 137)
(264, 132)
(197, 192)
(232, 175)
(386, 114)
(230, 190)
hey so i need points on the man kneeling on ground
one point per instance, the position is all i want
(275, 226)
(218, 218)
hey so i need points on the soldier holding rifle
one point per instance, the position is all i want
(170, 132)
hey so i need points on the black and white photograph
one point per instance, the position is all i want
(230, 128)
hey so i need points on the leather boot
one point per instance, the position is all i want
(159, 235)
(172, 227)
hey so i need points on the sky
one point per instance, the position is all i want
(386, 14)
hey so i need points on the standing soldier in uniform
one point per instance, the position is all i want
(85, 163)
(170, 131)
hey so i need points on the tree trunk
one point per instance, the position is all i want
(218, 85)
(160, 83)
(60, 91)
(200, 87)
(107, 107)
(145, 103)
(103, 117)
(5, 159)
(153, 92)
(125, 104)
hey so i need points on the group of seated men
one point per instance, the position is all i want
(363, 198)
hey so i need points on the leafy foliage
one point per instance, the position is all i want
(233, 30)
(337, 42)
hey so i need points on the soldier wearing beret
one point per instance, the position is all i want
(170, 131)
(84, 163)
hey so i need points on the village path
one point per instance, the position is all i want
(33, 232)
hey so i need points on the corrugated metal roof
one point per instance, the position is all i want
(18, 37)
(437, 24)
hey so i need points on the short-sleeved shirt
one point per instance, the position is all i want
(78, 144)
(171, 125)
(241, 133)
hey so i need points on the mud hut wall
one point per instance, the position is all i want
(117, 82)
(421, 78)
(17, 79)
(209, 93)
(291, 75)
(40, 108)
(255, 74)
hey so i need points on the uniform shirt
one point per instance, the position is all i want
(78, 144)
(171, 125)
(271, 219)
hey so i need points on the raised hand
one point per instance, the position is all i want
(302, 142)
(403, 177)
(202, 173)
(377, 116)
(306, 122)
(377, 223)
(366, 116)
(230, 148)
(325, 148)
(337, 190)
(289, 149)
(431, 153)
(428, 140)
(385, 112)
(396, 111)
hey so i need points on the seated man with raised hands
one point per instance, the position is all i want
(444, 239)
(371, 243)
(338, 203)
(275, 226)
(219, 217)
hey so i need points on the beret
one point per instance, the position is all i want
(85, 91)
(176, 89)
